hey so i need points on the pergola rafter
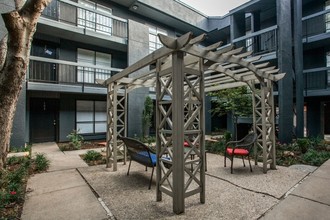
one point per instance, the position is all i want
(185, 70)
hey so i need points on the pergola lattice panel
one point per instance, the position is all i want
(116, 125)
(180, 114)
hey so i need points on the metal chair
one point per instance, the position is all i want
(241, 148)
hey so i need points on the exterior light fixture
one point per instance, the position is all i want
(135, 7)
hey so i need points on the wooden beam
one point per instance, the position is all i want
(225, 86)
(213, 46)
(197, 39)
(175, 43)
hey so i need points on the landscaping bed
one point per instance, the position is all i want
(68, 146)
(13, 180)
(308, 151)
(93, 158)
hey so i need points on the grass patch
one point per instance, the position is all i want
(93, 157)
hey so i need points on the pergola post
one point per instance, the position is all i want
(178, 132)
(116, 125)
(254, 116)
(264, 120)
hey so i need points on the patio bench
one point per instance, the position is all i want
(241, 148)
(141, 153)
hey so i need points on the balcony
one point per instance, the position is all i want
(317, 81)
(261, 42)
(63, 76)
(316, 27)
(67, 19)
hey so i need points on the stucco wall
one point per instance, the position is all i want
(138, 47)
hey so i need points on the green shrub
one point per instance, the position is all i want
(303, 144)
(75, 139)
(92, 155)
(17, 176)
(215, 147)
(227, 135)
(316, 158)
(41, 162)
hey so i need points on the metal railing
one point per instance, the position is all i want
(318, 78)
(79, 15)
(64, 72)
(261, 42)
(318, 23)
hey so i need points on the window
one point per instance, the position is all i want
(91, 117)
(248, 41)
(97, 59)
(154, 42)
(94, 21)
(327, 17)
(328, 65)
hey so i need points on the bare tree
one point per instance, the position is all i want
(14, 59)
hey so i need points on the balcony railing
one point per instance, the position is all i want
(318, 23)
(316, 79)
(69, 12)
(261, 42)
(64, 72)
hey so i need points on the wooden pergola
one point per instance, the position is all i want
(184, 71)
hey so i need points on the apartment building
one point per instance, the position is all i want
(80, 41)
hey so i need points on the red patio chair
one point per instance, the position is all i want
(241, 148)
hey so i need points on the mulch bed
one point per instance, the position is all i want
(66, 146)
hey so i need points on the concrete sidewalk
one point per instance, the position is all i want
(61, 193)
(310, 199)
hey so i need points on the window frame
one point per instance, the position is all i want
(93, 121)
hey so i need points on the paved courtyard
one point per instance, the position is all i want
(72, 190)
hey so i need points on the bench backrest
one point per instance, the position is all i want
(248, 139)
(139, 152)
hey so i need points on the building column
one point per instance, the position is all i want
(136, 98)
(298, 66)
(284, 56)
(237, 27)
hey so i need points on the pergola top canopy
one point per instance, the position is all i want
(223, 68)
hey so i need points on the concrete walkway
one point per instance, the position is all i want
(62, 193)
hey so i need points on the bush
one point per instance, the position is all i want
(75, 139)
(92, 155)
(41, 162)
(215, 147)
(303, 144)
(316, 158)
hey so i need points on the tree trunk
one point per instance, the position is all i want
(21, 26)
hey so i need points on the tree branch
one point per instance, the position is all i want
(19, 4)
(3, 51)
(33, 8)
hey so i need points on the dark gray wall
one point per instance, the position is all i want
(237, 26)
(67, 116)
(314, 118)
(18, 137)
(138, 47)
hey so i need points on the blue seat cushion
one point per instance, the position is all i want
(143, 157)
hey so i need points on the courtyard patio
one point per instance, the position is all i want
(242, 195)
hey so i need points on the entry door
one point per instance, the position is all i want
(43, 120)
